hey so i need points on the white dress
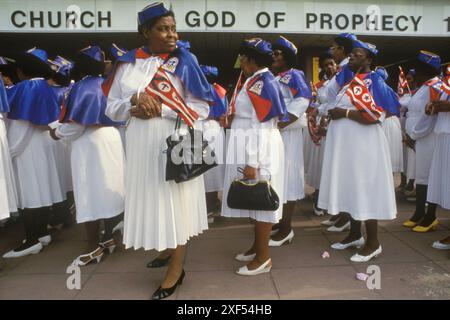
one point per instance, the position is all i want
(256, 144)
(215, 135)
(35, 162)
(292, 135)
(393, 131)
(158, 214)
(421, 130)
(357, 175)
(315, 159)
(409, 163)
(439, 180)
(98, 159)
(8, 195)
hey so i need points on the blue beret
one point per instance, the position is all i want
(430, 58)
(364, 45)
(285, 43)
(150, 12)
(94, 52)
(259, 45)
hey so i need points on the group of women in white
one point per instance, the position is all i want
(349, 156)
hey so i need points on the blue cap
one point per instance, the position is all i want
(94, 52)
(117, 51)
(430, 58)
(259, 45)
(39, 53)
(347, 35)
(285, 43)
(150, 12)
(364, 45)
(382, 73)
(61, 65)
(184, 44)
(210, 71)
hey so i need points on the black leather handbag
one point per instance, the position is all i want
(190, 151)
(247, 195)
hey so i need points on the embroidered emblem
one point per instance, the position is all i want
(171, 65)
(357, 90)
(257, 87)
(164, 86)
(286, 79)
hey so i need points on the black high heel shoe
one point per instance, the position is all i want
(163, 293)
(158, 263)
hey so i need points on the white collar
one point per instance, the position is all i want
(32, 79)
(343, 62)
(258, 72)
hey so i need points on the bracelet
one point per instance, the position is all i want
(347, 112)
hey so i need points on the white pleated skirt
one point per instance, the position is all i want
(159, 214)
(315, 163)
(424, 156)
(8, 195)
(411, 163)
(273, 166)
(36, 173)
(439, 181)
(98, 162)
(294, 178)
(357, 175)
(393, 131)
(215, 135)
(62, 152)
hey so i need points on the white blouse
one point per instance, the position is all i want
(19, 136)
(131, 78)
(443, 118)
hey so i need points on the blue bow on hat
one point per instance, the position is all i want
(430, 58)
(364, 45)
(150, 12)
(184, 44)
(61, 65)
(259, 45)
(347, 35)
(117, 51)
(210, 71)
(39, 53)
(382, 73)
(94, 52)
(285, 43)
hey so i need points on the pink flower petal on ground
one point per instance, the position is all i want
(325, 254)
(362, 276)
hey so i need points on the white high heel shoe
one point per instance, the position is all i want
(341, 246)
(360, 258)
(441, 246)
(328, 222)
(109, 244)
(288, 238)
(35, 249)
(264, 268)
(90, 255)
(245, 258)
(339, 229)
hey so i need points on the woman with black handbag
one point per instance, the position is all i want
(255, 146)
(159, 214)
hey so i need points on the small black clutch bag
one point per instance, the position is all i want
(192, 150)
(246, 195)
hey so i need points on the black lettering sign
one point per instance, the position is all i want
(342, 21)
(386, 23)
(107, 19)
(71, 19)
(40, 19)
(226, 14)
(215, 18)
(83, 19)
(194, 21)
(14, 21)
(266, 18)
(50, 19)
(325, 18)
(416, 22)
(311, 18)
(357, 19)
(278, 18)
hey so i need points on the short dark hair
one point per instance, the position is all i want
(151, 23)
(261, 59)
(346, 43)
(60, 79)
(425, 69)
(325, 56)
(85, 65)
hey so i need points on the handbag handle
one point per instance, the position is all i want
(241, 170)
